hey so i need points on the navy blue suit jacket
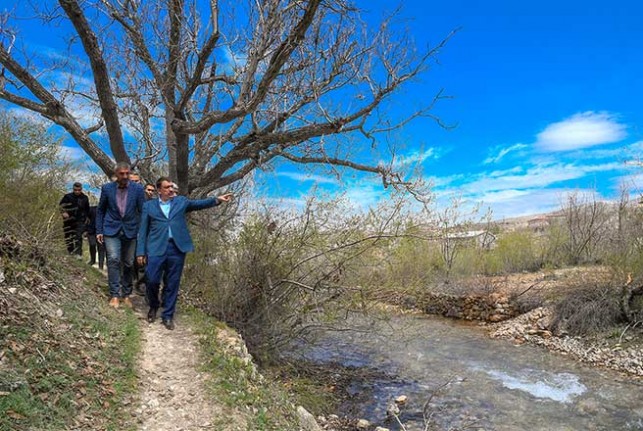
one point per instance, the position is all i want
(108, 219)
(153, 236)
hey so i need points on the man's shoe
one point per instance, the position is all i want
(113, 302)
(127, 302)
(151, 315)
(168, 323)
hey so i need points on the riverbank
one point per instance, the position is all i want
(68, 361)
(621, 350)
(520, 308)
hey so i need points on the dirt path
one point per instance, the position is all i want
(172, 396)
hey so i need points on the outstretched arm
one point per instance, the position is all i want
(208, 203)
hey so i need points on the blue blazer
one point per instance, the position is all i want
(153, 236)
(108, 219)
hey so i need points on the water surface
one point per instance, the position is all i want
(486, 384)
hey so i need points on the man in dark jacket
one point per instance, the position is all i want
(139, 270)
(74, 208)
(117, 218)
(94, 246)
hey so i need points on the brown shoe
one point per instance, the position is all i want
(127, 302)
(113, 302)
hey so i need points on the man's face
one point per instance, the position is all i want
(136, 178)
(122, 176)
(149, 191)
(78, 190)
(165, 191)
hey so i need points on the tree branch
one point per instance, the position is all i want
(101, 77)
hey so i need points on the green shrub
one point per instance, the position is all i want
(413, 263)
(32, 179)
(516, 252)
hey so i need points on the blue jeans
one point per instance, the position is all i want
(120, 263)
(168, 267)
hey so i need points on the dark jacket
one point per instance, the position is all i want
(108, 219)
(77, 206)
(91, 221)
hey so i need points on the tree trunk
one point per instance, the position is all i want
(629, 292)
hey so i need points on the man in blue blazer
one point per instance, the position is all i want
(118, 215)
(163, 241)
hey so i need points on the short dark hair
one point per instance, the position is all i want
(78, 185)
(160, 181)
(121, 165)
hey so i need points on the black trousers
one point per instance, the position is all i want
(95, 246)
(74, 237)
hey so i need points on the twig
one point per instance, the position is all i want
(628, 327)
(41, 355)
(397, 418)
(529, 288)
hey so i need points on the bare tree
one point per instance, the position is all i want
(587, 222)
(215, 89)
(452, 227)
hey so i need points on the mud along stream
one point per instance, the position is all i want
(494, 385)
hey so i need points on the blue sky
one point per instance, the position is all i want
(546, 99)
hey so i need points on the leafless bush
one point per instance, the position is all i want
(586, 221)
(281, 275)
(588, 309)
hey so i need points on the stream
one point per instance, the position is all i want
(469, 381)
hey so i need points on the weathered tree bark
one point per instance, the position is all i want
(101, 76)
(210, 96)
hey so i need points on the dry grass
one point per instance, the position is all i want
(66, 361)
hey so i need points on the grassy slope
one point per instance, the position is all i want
(66, 360)
(242, 393)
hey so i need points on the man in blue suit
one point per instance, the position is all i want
(163, 241)
(118, 215)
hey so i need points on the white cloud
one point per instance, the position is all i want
(505, 172)
(364, 196)
(582, 130)
(632, 182)
(305, 177)
(637, 146)
(535, 177)
(447, 181)
(517, 203)
(73, 154)
(233, 60)
(502, 152)
(415, 157)
(31, 116)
